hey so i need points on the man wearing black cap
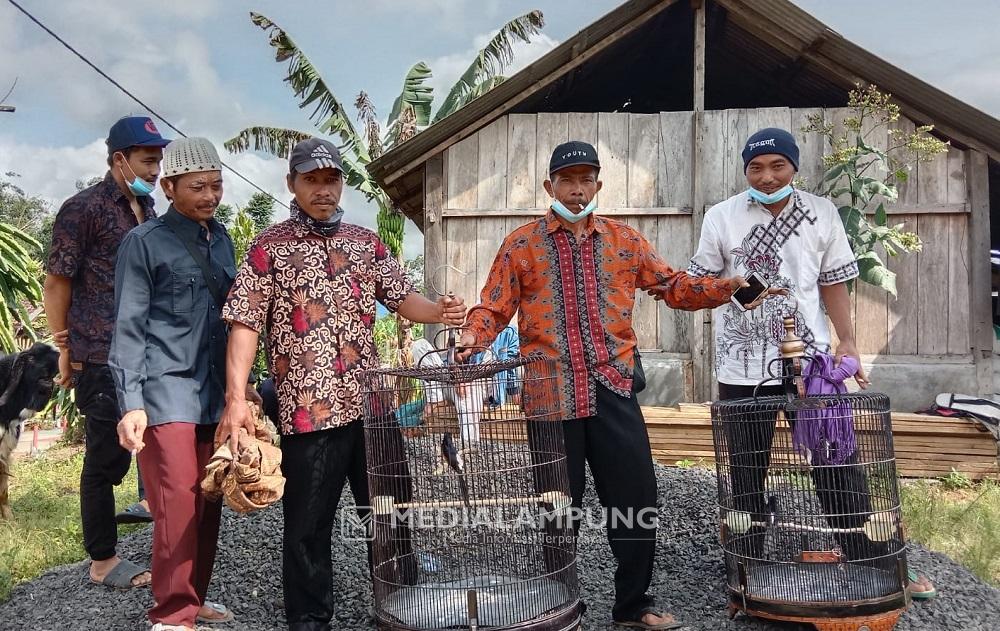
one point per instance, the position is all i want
(794, 240)
(310, 284)
(571, 278)
(79, 304)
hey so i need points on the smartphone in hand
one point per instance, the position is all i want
(747, 295)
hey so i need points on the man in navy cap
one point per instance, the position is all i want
(79, 304)
(795, 240)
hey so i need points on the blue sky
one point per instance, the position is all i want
(206, 68)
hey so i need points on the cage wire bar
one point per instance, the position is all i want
(470, 495)
(810, 527)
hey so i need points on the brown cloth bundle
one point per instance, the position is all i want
(253, 480)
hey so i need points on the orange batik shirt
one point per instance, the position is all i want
(574, 301)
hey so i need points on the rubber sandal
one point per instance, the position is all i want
(120, 577)
(134, 514)
(927, 593)
(226, 615)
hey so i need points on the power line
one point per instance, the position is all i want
(130, 95)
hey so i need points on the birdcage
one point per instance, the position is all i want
(470, 496)
(809, 504)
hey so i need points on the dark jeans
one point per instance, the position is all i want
(842, 490)
(616, 446)
(105, 462)
(316, 466)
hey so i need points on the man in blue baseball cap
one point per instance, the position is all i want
(79, 303)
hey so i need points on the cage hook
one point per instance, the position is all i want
(434, 275)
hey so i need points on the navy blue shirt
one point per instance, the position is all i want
(169, 346)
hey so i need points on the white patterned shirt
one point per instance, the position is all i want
(804, 247)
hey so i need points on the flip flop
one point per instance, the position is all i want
(225, 614)
(120, 577)
(134, 514)
(927, 593)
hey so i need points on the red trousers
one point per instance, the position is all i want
(185, 524)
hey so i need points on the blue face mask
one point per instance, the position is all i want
(774, 197)
(138, 186)
(569, 215)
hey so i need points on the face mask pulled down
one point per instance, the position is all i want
(138, 186)
(561, 210)
(772, 198)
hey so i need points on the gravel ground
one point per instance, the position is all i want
(688, 578)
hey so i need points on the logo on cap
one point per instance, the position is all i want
(753, 145)
(150, 127)
(323, 157)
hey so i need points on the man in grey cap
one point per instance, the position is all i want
(312, 282)
(168, 360)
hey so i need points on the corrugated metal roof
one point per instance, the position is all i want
(781, 26)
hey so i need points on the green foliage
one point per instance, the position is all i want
(19, 283)
(243, 231)
(961, 523)
(260, 208)
(46, 530)
(387, 336)
(25, 212)
(490, 62)
(865, 177)
(411, 111)
(956, 481)
(414, 269)
(224, 214)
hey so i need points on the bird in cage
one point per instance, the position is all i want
(772, 511)
(451, 457)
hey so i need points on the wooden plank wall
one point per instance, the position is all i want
(493, 184)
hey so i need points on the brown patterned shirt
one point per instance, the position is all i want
(315, 297)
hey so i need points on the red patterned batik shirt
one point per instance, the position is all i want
(574, 301)
(315, 298)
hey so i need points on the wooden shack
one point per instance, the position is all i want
(668, 90)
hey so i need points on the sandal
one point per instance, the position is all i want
(662, 626)
(120, 577)
(920, 587)
(224, 614)
(134, 514)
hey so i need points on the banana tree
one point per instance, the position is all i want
(411, 112)
(18, 283)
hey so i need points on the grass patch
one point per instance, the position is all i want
(46, 530)
(959, 518)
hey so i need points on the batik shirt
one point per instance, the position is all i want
(804, 247)
(85, 238)
(574, 301)
(315, 298)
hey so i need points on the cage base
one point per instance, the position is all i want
(883, 622)
(504, 603)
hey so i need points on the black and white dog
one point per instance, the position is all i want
(25, 388)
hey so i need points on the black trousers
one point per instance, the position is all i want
(616, 446)
(316, 466)
(105, 462)
(842, 490)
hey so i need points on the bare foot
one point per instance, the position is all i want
(100, 569)
(653, 619)
(145, 504)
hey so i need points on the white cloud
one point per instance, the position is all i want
(448, 68)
